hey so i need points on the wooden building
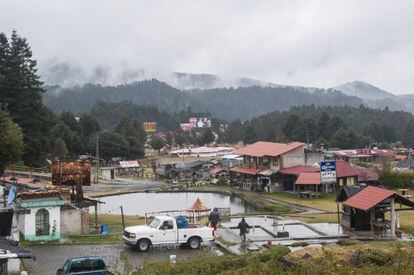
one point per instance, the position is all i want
(364, 209)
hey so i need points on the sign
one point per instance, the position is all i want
(150, 127)
(129, 163)
(186, 127)
(203, 122)
(193, 121)
(328, 172)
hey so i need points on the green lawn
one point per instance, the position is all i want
(325, 202)
(115, 229)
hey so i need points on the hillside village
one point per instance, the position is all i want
(206, 138)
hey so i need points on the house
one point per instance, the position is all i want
(203, 151)
(286, 177)
(262, 160)
(364, 210)
(379, 156)
(407, 164)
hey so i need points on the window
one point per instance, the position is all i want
(154, 223)
(167, 225)
(42, 222)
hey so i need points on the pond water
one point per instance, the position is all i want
(141, 203)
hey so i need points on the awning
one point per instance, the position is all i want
(308, 179)
(11, 250)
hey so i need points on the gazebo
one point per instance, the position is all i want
(199, 209)
(364, 209)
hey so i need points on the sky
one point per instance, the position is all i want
(308, 43)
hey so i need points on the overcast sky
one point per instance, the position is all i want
(309, 43)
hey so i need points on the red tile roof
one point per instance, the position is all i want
(240, 170)
(366, 174)
(309, 178)
(198, 206)
(217, 170)
(296, 170)
(344, 169)
(368, 198)
(272, 149)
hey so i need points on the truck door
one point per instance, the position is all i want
(168, 233)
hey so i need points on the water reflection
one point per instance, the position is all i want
(140, 203)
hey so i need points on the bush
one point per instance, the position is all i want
(297, 244)
(396, 179)
(370, 256)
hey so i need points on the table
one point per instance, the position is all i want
(305, 194)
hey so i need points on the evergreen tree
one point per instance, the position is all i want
(157, 143)
(21, 92)
(408, 138)
(59, 149)
(11, 141)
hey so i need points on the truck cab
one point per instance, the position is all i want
(84, 265)
(165, 230)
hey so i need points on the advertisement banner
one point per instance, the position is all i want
(328, 172)
(186, 127)
(150, 127)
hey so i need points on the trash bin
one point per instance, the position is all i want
(181, 222)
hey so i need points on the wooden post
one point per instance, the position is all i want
(393, 214)
(372, 219)
(96, 214)
(123, 220)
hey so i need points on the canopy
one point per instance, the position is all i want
(198, 206)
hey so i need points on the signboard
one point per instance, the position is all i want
(328, 172)
(129, 163)
(193, 121)
(150, 127)
(71, 173)
(203, 122)
(186, 127)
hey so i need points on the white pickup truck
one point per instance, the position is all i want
(163, 230)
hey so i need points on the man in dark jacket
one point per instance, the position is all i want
(214, 218)
(243, 226)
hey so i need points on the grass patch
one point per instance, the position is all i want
(324, 202)
(299, 244)
(315, 218)
(114, 222)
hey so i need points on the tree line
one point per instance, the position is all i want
(331, 126)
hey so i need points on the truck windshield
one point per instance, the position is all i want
(154, 223)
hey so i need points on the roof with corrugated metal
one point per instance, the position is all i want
(272, 149)
(306, 178)
(296, 170)
(369, 197)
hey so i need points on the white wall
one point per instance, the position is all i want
(293, 158)
(30, 220)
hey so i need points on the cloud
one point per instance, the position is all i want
(309, 43)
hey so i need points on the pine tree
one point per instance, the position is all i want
(21, 92)
(408, 138)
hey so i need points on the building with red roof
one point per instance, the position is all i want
(262, 160)
(364, 209)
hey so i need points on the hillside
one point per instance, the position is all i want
(225, 103)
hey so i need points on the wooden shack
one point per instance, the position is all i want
(364, 209)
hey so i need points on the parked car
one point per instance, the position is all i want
(84, 265)
(164, 230)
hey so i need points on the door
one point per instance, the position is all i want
(167, 233)
(288, 185)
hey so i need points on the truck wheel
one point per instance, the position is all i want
(194, 243)
(143, 245)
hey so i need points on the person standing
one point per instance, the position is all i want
(214, 218)
(243, 226)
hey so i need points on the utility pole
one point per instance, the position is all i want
(123, 220)
(97, 158)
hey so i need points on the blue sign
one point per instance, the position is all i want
(328, 166)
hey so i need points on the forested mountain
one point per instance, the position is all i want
(226, 103)
(339, 126)
(377, 98)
